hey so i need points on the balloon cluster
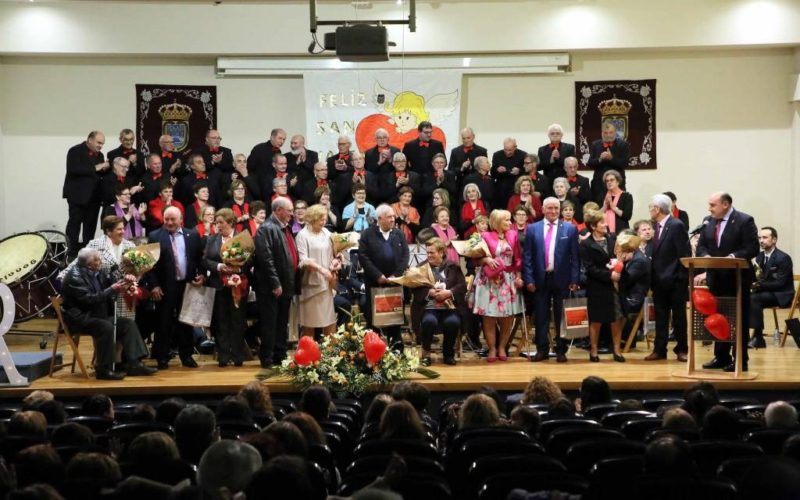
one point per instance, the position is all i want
(716, 323)
(307, 351)
(374, 347)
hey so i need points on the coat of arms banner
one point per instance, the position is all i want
(357, 103)
(185, 112)
(630, 105)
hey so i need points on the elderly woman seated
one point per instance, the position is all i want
(441, 306)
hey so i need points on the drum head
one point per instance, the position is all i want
(20, 255)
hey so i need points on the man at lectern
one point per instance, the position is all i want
(728, 232)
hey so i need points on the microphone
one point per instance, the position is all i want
(698, 228)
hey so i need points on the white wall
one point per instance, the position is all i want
(724, 121)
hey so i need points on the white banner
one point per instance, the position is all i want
(356, 103)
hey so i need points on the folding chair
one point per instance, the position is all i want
(62, 330)
(792, 310)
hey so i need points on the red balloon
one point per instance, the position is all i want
(618, 266)
(314, 352)
(704, 301)
(306, 341)
(302, 357)
(374, 347)
(718, 326)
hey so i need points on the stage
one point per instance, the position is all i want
(776, 367)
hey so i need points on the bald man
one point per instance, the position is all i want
(463, 156)
(340, 163)
(85, 167)
(178, 266)
(507, 165)
(553, 154)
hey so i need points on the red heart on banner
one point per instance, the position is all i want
(718, 326)
(704, 301)
(374, 347)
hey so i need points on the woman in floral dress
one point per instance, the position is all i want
(496, 294)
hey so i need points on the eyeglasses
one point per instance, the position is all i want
(126, 193)
(215, 138)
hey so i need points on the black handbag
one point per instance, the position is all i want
(793, 325)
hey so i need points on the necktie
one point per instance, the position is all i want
(423, 144)
(607, 145)
(657, 233)
(166, 154)
(213, 150)
(766, 262)
(468, 149)
(120, 179)
(292, 247)
(175, 256)
(717, 231)
(547, 238)
(554, 145)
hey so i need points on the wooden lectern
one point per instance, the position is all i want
(735, 265)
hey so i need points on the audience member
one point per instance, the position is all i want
(226, 464)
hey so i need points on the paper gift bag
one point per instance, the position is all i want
(575, 319)
(387, 306)
(197, 306)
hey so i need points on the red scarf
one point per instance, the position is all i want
(675, 212)
(253, 227)
(166, 154)
(92, 153)
(468, 214)
(239, 211)
(276, 149)
(201, 229)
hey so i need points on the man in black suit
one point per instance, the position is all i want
(184, 189)
(398, 178)
(171, 160)
(608, 153)
(669, 278)
(300, 161)
(774, 285)
(342, 192)
(420, 151)
(729, 233)
(276, 268)
(126, 149)
(216, 157)
(152, 179)
(305, 189)
(378, 159)
(383, 253)
(553, 154)
(88, 294)
(340, 163)
(259, 163)
(85, 167)
(481, 176)
(462, 157)
(579, 186)
(120, 175)
(507, 165)
(178, 266)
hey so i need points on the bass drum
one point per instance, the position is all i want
(28, 268)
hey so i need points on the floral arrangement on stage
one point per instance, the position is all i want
(349, 361)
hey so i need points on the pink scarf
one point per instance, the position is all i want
(137, 226)
(611, 217)
(447, 235)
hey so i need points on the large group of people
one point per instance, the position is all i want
(550, 231)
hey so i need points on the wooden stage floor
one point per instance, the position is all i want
(777, 369)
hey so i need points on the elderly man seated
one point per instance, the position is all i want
(88, 294)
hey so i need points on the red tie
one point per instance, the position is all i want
(485, 177)
(322, 182)
(201, 175)
(608, 144)
(156, 176)
(656, 233)
(92, 154)
(166, 154)
(128, 152)
(397, 175)
(214, 150)
(423, 144)
(554, 145)
(572, 179)
(467, 149)
(276, 149)
(292, 247)
(120, 179)
(281, 175)
(344, 157)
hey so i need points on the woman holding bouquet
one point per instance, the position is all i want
(316, 259)
(496, 294)
(602, 283)
(228, 320)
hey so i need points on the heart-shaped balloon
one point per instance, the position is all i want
(306, 341)
(618, 266)
(718, 326)
(302, 357)
(374, 347)
(314, 352)
(704, 301)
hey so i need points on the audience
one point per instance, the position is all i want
(229, 465)
(780, 415)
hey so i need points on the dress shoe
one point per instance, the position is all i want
(540, 356)
(594, 359)
(107, 374)
(425, 361)
(619, 358)
(654, 356)
(732, 367)
(561, 357)
(682, 357)
(716, 364)
(163, 364)
(449, 360)
(757, 342)
(138, 368)
(238, 364)
(189, 362)
(266, 363)
(222, 364)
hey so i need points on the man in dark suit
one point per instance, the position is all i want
(486, 183)
(550, 269)
(85, 167)
(774, 285)
(305, 189)
(383, 253)
(178, 266)
(608, 153)
(552, 155)
(342, 193)
(276, 269)
(420, 151)
(579, 186)
(152, 179)
(88, 294)
(119, 176)
(399, 177)
(729, 233)
(462, 157)
(217, 157)
(378, 159)
(299, 160)
(126, 149)
(668, 278)
(184, 189)
(259, 163)
(507, 165)
(340, 163)
(171, 160)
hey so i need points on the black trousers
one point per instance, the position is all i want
(227, 326)
(758, 302)
(670, 303)
(102, 330)
(274, 320)
(448, 321)
(169, 328)
(81, 216)
(548, 295)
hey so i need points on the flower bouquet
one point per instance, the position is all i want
(344, 241)
(348, 361)
(137, 261)
(422, 276)
(474, 247)
(235, 253)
